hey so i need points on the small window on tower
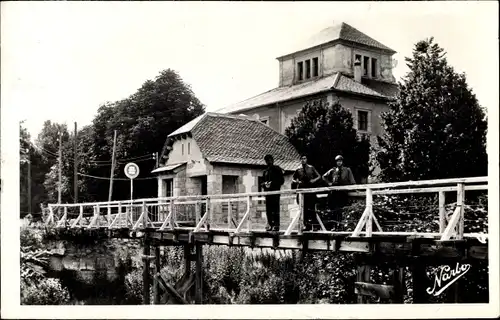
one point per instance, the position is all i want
(315, 67)
(189, 148)
(308, 69)
(374, 68)
(366, 62)
(300, 70)
(183, 149)
(362, 120)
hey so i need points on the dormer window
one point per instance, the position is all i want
(315, 67)
(374, 68)
(307, 69)
(366, 63)
(369, 66)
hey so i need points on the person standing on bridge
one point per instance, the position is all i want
(338, 176)
(306, 177)
(273, 180)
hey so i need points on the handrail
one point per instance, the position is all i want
(420, 183)
(449, 227)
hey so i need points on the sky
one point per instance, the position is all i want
(62, 60)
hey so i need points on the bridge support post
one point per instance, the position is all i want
(145, 273)
(187, 259)
(363, 275)
(199, 274)
(419, 278)
(156, 288)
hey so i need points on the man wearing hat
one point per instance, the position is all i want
(273, 180)
(338, 176)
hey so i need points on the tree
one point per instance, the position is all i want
(30, 159)
(322, 132)
(435, 128)
(143, 121)
(86, 163)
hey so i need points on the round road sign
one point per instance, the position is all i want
(131, 170)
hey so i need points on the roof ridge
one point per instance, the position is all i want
(344, 28)
(230, 116)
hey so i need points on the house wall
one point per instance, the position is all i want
(247, 181)
(184, 150)
(335, 58)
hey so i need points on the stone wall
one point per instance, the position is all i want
(86, 259)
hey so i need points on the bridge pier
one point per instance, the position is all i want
(199, 274)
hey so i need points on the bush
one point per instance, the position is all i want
(46, 292)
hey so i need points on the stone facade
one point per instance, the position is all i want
(219, 179)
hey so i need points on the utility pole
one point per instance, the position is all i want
(112, 168)
(75, 166)
(155, 156)
(60, 169)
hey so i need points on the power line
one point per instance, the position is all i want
(122, 179)
(106, 162)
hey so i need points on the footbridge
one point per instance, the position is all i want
(239, 220)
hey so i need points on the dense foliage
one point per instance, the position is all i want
(323, 131)
(436, 128)
(142, 121)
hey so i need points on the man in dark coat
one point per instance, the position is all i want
(338, 176)
(273, 180)
(306, 177)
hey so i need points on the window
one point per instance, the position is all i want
(266, 121)
(362, 120)
(169, 187)
(183, 149)
(300, 70)
(358, 58)
(189, 147)
(315, 67)
(374, 68)
(366, 62)
(308, 69)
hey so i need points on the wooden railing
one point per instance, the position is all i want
(197, 213)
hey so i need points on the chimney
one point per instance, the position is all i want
(357, 70)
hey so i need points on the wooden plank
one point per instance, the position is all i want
(317, 245)
(169, 289)
(354, 246)
(460, 204)
(369, 203)
(393, 248)
(478, 252)
(447, 233)
(442, 212)
(381, 291)
(440, 251)
(361, 223)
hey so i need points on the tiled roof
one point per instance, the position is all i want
(240, 140)
(384, 88)
(336, 81)
(341, 31)
(283, 94)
